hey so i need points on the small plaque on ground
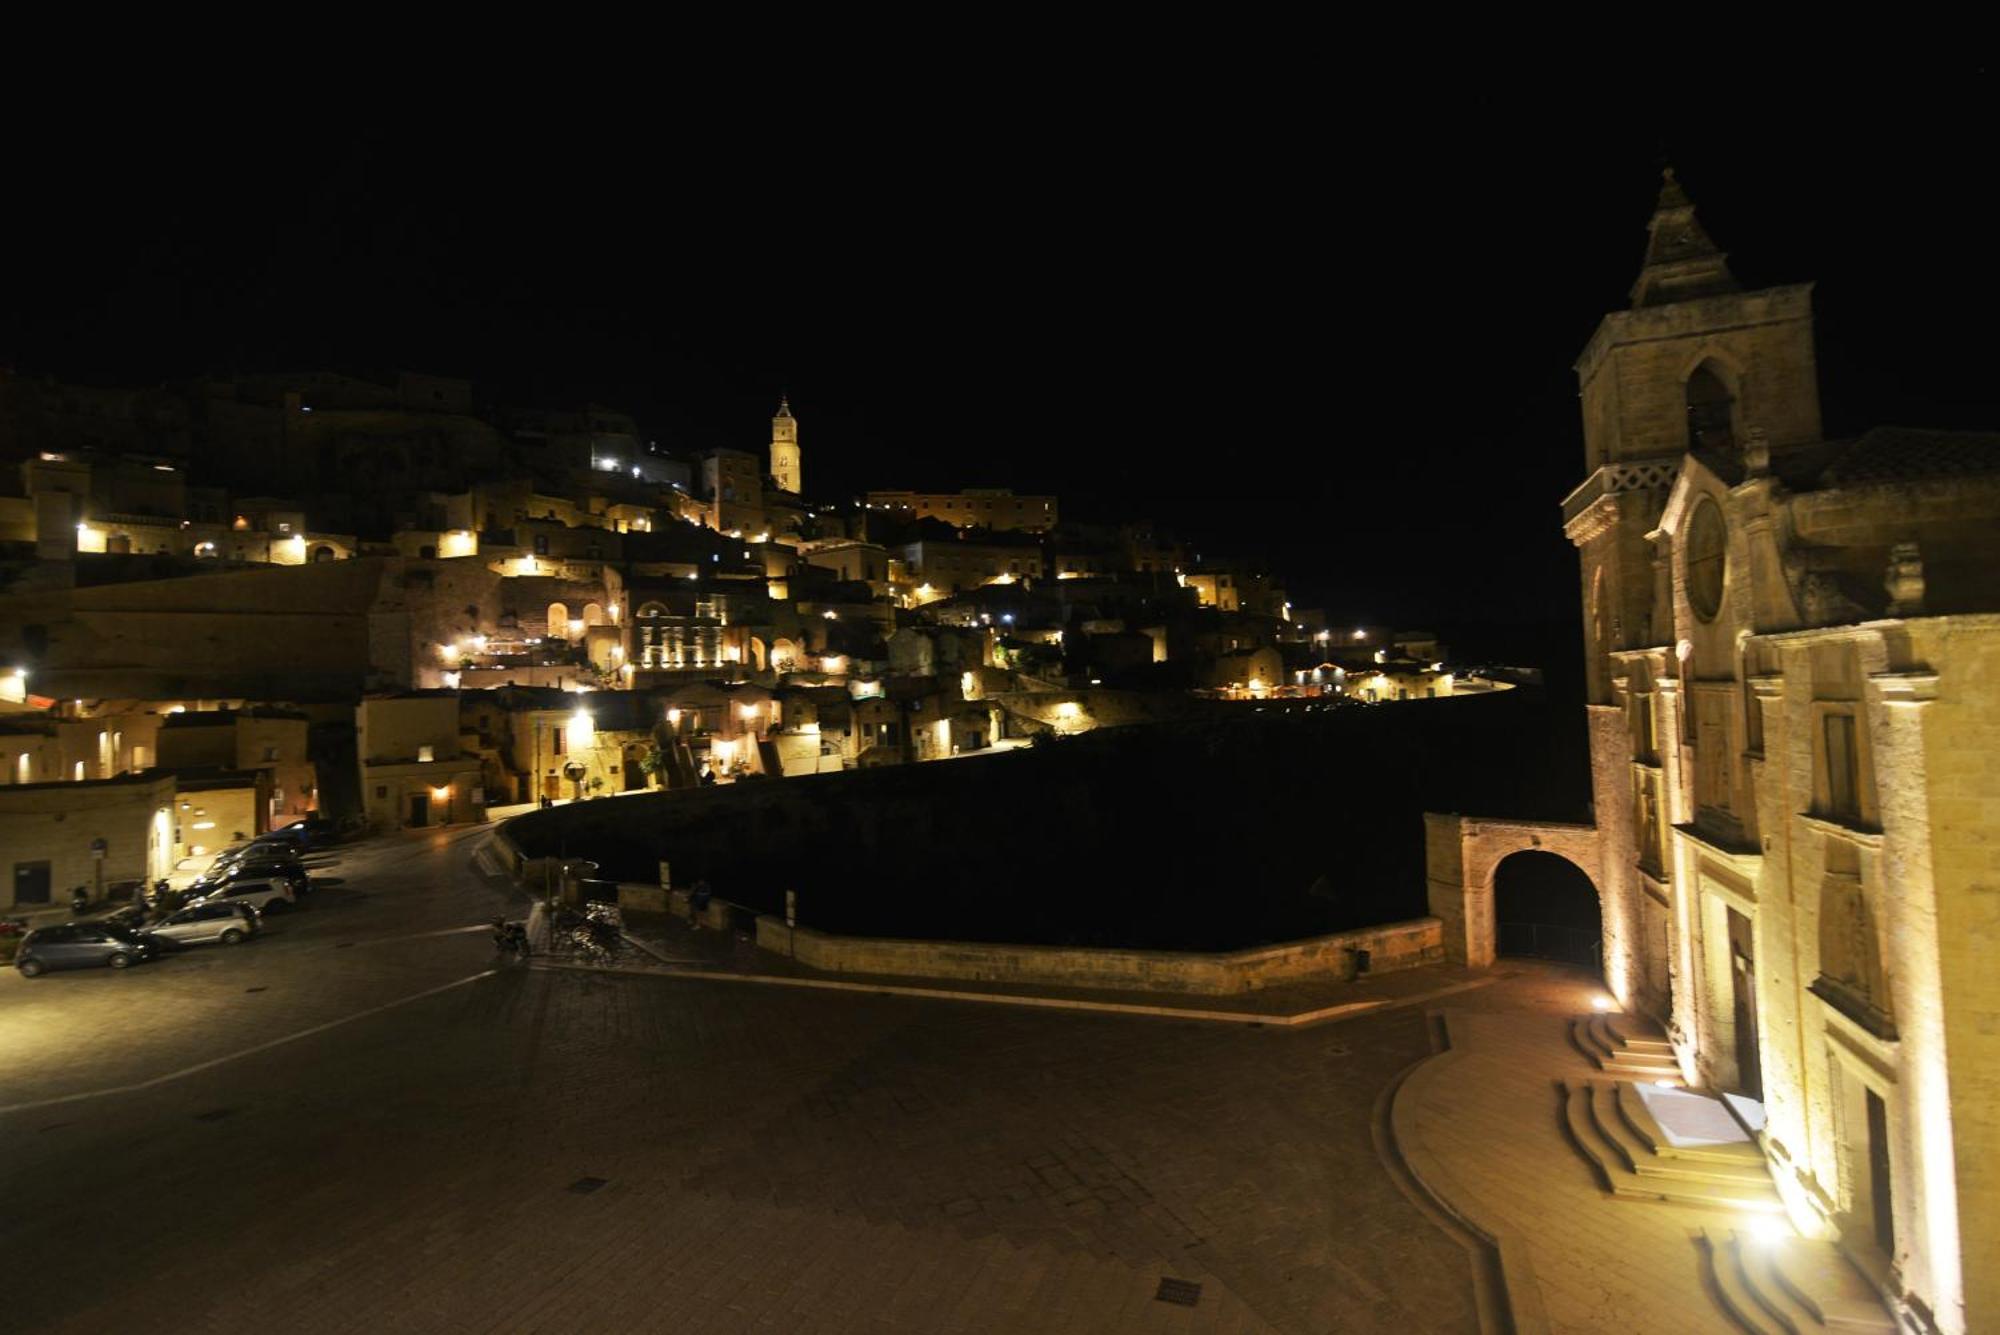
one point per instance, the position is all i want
(583, 1186)
(1185, 1292)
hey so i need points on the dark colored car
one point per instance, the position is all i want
(298, 836)
(258, 865)
(79, 945)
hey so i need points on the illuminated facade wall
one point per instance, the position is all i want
(1794, 676)
(49, 832)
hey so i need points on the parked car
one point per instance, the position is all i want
(266, 895)
(275, 867)
(224, 920)
(78, 945)
(299, 835)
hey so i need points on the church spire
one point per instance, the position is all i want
(1682, 263)
(784, 405)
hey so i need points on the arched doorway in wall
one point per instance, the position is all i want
(1545, 907)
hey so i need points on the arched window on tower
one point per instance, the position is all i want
(1711, 411)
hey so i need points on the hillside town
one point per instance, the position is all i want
(230, 605)
(557, 911)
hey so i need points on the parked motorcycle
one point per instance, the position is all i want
(510, 938)
(132, 917)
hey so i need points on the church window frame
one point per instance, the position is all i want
(1710, 401)
(1840, 744)
(1705, 562)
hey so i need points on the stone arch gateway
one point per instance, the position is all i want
(1462, 854)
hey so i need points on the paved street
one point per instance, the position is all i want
(403, 1135)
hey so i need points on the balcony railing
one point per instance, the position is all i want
(1631, 475)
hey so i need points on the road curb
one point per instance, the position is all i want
(1322, 1015)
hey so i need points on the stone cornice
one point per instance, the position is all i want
(1915, 687)
(1680, 319)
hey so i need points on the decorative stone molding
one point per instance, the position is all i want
(1757, 453)
(1917, 687)
(1904, 580)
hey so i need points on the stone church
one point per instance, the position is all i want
(1794, 715)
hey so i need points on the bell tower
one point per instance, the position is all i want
(1693, 366)
(1697, 361)
(785, 469)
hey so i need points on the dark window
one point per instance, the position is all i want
(31, 882)
(1843, 769)
(1711, 411)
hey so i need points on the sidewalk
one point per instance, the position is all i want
(669, 947)
(1480, 1125)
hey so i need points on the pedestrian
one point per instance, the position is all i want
(698, 898)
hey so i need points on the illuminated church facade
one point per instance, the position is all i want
(1793, 654)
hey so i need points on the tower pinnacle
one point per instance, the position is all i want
(1682, 262)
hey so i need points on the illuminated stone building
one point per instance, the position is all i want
(106, 835)
(1794, 708)
(951, 566)
(413, 770)
(991, 508)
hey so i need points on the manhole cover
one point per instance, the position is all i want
(583, 1186)
(213, 1114)
(1185, 1292)
(255, 989)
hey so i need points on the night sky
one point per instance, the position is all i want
(1285, 315)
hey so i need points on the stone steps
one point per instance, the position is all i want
(1638, 1119)
(1611, 1051)
(1736, 1292)
(1621, 1179)
(1637, 1152)
(1789, 1285)
(1634, 1033)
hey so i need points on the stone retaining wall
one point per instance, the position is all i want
(1391, 946)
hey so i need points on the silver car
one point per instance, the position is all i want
(219, 920)
(266, 896)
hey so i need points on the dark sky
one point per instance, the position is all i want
(1281, 312)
